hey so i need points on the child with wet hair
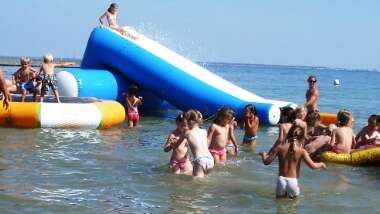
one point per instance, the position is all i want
(251, 125)
(290, 155)
(196, 137)
(343, 137)
(179, 161)
(219, 134)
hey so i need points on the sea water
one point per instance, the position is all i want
(124, 170)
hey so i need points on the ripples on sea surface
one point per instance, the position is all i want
(125, 171)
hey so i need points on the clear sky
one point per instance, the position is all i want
(334, 33)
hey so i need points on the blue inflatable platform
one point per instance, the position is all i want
(170, 76)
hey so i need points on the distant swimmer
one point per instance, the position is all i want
(4, 91)
(312, 95)
(111, 15)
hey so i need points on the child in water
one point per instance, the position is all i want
(197, 139)
(46, 76)
(343, 137)
(219, 134)
(251, 125)
(290, 155)
(179, 161)
(111, 15)
(133, 102)
(24, 78)
(369, 135)
(286, 122)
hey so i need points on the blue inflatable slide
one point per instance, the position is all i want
(111, 62)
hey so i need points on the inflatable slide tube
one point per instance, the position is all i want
(95, 115)
(169, 75)
(102, 84)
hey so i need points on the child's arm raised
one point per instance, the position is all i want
(64, 64)
(310, 162)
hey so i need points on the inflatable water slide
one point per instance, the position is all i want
(112, 61)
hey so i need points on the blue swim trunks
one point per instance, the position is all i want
(27, 86)
(249, 138)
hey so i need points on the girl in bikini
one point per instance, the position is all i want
(179, 161)
(133, 102)
(220, 133)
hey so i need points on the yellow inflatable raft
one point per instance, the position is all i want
(370, 156)
(97, 114)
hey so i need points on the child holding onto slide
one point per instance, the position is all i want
(179, 161)
(111, 15)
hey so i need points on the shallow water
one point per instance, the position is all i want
(125, 171)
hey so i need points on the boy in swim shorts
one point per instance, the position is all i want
(24, 79)
(290, 155)
(251, 125)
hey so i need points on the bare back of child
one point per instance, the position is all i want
(290, 155)
(46, 78)
(343, 137)
(219, 134)
(179, 161)
(251, 126)
(203, 161)
(133, 102)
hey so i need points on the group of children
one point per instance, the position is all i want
(301, 137)
(28, 80)
(210, 147)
